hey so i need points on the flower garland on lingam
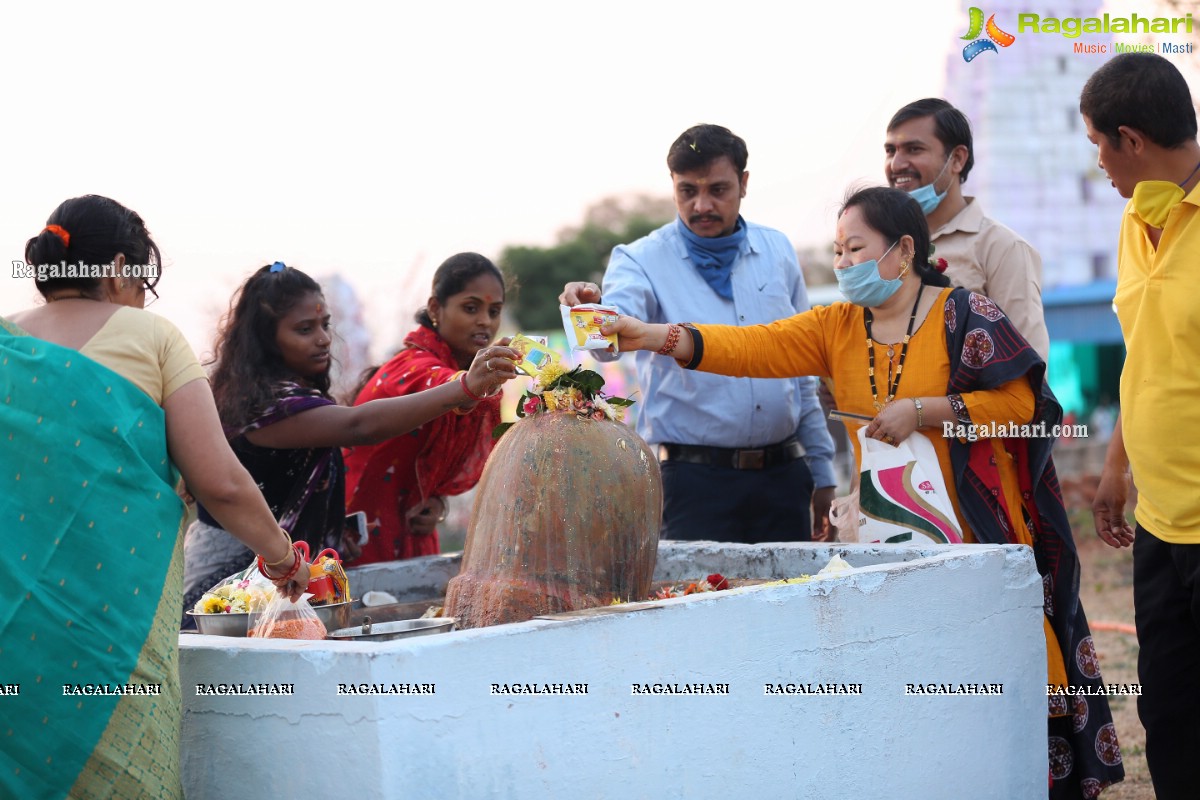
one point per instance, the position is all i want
(577, 392)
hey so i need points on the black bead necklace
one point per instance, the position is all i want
(894, 384)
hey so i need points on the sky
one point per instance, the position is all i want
(377, 139)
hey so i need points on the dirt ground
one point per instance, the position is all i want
(1106, 589)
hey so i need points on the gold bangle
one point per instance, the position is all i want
(287, 536)
(920, 412)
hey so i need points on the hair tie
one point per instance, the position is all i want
(60, 232)
(278, 266)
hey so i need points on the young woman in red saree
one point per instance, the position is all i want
(402, 484)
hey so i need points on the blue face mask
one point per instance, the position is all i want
(927, 196)
(863, 285)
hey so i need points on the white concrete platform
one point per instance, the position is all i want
(967, 617)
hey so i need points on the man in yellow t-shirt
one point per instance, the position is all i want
(1140, 116)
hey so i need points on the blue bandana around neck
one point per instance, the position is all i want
(714, 257)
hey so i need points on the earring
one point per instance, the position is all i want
(903, 269)
(434, 324)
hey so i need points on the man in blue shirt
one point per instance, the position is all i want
(740, 456)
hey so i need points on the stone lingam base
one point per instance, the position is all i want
(835, 688)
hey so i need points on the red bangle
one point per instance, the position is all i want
(673, 332)
(291, 573)
(462, 378)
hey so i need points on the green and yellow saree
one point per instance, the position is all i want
(92, 532)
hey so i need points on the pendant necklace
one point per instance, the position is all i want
(893, 384)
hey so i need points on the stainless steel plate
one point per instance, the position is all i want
(386, 631)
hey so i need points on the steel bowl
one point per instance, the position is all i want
(399, 629)
(220, 624)
(332, 615)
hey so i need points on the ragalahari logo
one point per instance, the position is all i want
(995, 36)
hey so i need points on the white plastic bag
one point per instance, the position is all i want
(901, 498)
(844, 516)
(284, 619)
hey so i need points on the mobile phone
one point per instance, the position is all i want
(356, 527)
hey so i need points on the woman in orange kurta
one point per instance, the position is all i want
(830, 342)
(911, 353)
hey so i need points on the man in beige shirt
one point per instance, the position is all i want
(929, 156)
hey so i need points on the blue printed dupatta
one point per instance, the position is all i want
(986, 351)
(91, 526)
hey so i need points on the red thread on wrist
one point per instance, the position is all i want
(673, 333)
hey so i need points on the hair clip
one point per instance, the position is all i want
(60, 232)
(278, 266)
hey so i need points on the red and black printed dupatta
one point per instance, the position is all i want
(986, 351)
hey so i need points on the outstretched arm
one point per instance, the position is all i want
(786, 348)
(378, 420)
(633, 334)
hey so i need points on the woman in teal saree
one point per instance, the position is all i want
(100, 402)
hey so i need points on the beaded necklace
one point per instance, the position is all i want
(894, 384)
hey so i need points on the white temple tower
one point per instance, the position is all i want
(1035, 170)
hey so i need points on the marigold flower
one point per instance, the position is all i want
(211, 604)
(550, 374)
